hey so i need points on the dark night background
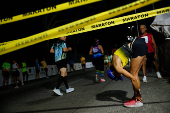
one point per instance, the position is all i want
(81, 43)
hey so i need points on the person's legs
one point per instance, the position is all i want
(157, 70)
(144, 69)
(136, 64)
(136, 100)
(64, 74)
(101, 69)
(36, 75)
(60, 79)
(23, 76)
(7, 80)
(4, 80)
(19, 80)
(156, 66)
(26, 73)
(96, 64)
(15, 81)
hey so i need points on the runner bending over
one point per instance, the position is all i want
(138, 50)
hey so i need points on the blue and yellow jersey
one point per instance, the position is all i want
(124, 53)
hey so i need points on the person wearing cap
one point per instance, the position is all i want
(98, 61)
(137, 49)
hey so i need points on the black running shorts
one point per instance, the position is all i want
(139, 48)
(61, 64)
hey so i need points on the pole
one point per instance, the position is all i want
(137, 24)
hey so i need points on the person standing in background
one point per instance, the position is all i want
(15, 73)
(6, 68)
(83, 62)
(24, 71)
(151, 55)
(44, 64)
(37, 68)
(71, 65)
(106, 61)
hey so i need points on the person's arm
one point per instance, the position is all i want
(154, 44)
(67, 49)
(101, 49)
(52, 50)
(117, 63)
(90, 52)
(18, 66)
(84, 60)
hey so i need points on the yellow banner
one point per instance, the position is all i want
(60, 31)
(51, 9)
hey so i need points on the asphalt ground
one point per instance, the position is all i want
(89, 97)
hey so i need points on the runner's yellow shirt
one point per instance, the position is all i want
(124, 53)
(44, 64)
(82, 59)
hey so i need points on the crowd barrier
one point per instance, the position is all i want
(52, 70)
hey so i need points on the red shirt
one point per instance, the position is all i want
(148, 40)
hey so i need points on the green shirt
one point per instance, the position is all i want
(6, 66)
(24, 67)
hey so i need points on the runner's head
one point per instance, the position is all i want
(14, 61)
(63, 38)
(7, 60)
(96, 42)
(143, 29)
(43, 59)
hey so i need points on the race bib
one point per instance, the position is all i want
(95, 50)
(146, 38)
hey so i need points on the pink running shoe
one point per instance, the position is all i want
(130, 99)
(133, 103)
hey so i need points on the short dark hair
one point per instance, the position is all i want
(143, 25)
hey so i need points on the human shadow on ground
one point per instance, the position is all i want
(85, 107)
(110, 94)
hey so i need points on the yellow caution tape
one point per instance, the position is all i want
(60, 31)
(55, 8)
(120, 20)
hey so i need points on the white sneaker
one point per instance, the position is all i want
(69, 90)
(144, 79)
(96, 78)
(57, 91)
(102, 80)
(16, 87)
(158, 74)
